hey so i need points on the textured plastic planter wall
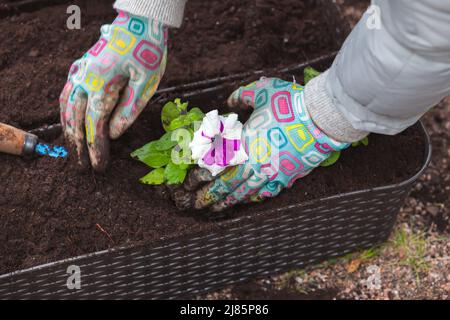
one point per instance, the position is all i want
(264, 243)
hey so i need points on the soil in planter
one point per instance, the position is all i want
(37, 48)
(50, 211)
(235, 35)
(218, 37)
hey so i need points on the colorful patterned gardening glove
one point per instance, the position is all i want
(281, 140)
(111, 84)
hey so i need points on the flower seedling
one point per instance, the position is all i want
(170, 156)
(192, 138)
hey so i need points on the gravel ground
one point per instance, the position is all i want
(414, 264)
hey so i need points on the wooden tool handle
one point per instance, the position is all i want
(15, 141)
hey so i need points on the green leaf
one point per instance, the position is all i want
(186, 166)
(185, 120)
(195, 114)
(334, 157)
(309, 74)
(364, 142)
(156, 159)
(171, 111)
(155, 177)
(165, 143)
(144, 151)
(180, 122)
(182, 106)
(174, 174)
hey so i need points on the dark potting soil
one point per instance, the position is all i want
(37, 48)
(239, 35)
(218, 37)
(50, 210)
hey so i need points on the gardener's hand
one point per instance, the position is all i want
(281, 140)
(111, 84)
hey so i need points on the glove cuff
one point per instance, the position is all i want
(325, 115)
(168, 12)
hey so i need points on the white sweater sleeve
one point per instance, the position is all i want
(386, 76)
(168, 12)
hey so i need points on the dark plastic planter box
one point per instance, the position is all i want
(258, 245)
(265, 243)
(261, 244)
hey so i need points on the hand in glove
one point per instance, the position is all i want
(111, 84)
(282, 142)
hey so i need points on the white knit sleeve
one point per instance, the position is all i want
(168, 12)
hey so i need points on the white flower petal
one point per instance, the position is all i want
(200, 145)
(239, 157)
(200, 139)
(199, 151)
(211, 124)
(214, 169)
(232, 127)
(230, 121)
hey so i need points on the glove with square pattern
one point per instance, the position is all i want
(111, 84)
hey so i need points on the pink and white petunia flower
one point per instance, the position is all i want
(217, 143)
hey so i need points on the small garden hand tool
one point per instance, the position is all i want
(21, 143)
